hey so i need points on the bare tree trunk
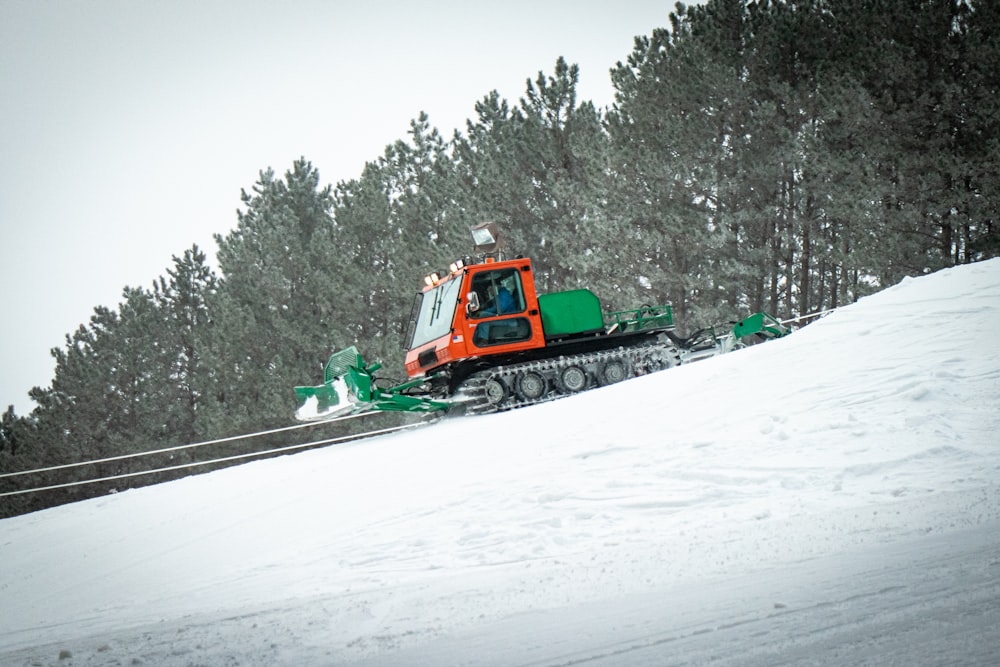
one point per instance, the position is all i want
(804, 272)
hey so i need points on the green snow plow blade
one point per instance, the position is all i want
(349, 386)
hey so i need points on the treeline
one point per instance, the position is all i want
(782, 156)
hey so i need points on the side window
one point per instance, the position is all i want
(499, 293)
(501, 332)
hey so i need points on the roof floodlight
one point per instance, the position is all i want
(486, 237)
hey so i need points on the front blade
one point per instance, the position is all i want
(324, 401)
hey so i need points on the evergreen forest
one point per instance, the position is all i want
(789, 156)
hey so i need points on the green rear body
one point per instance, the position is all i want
(570, 313)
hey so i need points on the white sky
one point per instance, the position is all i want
(129, 126)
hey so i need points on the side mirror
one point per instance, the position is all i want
(472, 303)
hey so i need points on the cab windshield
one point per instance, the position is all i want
(437, 310)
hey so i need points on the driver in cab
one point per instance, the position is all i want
(500, 303)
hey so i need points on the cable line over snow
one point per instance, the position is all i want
(235, 457)
(818, 313)
(177, 447)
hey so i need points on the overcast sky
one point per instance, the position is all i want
(130, 126)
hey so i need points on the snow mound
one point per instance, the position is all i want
(854, 456)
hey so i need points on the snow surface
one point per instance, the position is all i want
(828, 498)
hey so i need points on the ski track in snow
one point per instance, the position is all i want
(830, 497)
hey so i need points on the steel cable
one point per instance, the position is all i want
(177, 448)
(235, 457)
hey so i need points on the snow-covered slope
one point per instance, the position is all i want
(833, 496)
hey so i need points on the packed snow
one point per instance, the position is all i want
(832, 497)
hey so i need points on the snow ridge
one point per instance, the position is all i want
(818, 497)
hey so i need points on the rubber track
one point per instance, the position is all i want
(638, 360)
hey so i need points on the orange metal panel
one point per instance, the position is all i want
(458, 344)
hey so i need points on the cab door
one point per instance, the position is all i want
(501, 309)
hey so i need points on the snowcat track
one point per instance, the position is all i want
(519, 385)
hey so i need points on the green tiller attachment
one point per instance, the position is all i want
(761, 324)
(349, 387)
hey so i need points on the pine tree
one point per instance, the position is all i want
(279, 297)
(424, 230)
(366, 241)
(107, 394)
(670, 141)
(8, 434)
(183, 302)
(539, 169)
(923, 65)
(492, 185)
(18, 452)
(977, 138)
(567, 159)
